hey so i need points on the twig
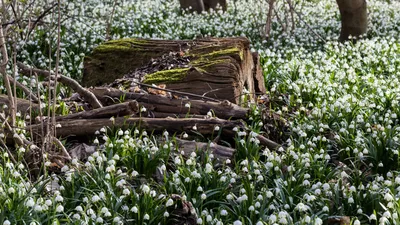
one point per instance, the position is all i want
(279, 20)
(177, 92)
(61, 146)
(6, 80)
(301, 19)
(53, 116)
(24, 89)
(89, 96)
(9, 152)
(292, 16)
(40, 18)
(109, 22)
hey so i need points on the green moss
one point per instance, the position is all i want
(201, 63)
(224, 52)
(166, 76)
(127, 44)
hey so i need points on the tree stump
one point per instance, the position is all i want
(220, 68)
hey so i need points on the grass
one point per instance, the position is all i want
(341, 102)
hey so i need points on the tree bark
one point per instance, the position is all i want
(159, 104)
(212, 4)
(117, 110)
(192, 5)
(87, 127)
(354, 18)
(218, 68)
(201, 5)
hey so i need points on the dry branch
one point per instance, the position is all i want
(89, 97)
(220, 152)
(159, 104)
(85, 127)
(117, 110)
(22, 104)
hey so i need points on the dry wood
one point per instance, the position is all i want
(22, 104)
(219, 68)
(268, 143)
(160, 104)
(117, 110)
(84, 127)
(6, 78)
(259, 84)
(89, 97)
(220, 152)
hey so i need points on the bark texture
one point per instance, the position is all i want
(201, 5)
(219, 68)
(354, 18)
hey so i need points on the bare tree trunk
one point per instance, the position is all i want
(201, 5)
(212, 4)
(354, 18)
(196, 5)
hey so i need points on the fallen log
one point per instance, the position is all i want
(215, 67)
(160, 104)
(23, 105)
(117, 110)
(87, 127)
(220, 152)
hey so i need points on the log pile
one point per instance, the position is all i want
(157, 86)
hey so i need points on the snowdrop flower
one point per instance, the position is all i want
(237, 222)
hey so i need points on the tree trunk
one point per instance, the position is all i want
(201, 5)
(212, 4)
(354, 18)
(192, 5)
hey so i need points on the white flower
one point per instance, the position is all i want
(237, 222)
(134, 173)
(146, 216)
(224, 212)
(6, 222)
(99, 220)
(199, 221)
(59, 198)
(166, 214)
(356, 222)
(145, 189)
(301, 207)
(11, 190)
(30, 202)
(350, 200)
(134, 209)
(95, 198)
(388, 197)
(372, 217)
(203, 196)
(126, 191)
(169, 203)
(60, 208)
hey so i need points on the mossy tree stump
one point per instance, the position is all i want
(218, 67)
